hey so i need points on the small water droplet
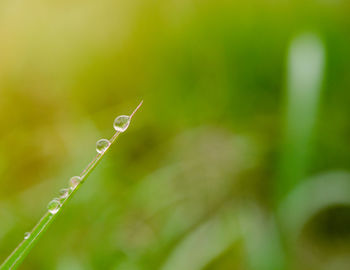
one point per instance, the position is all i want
(102, 145)
(74, 181)
(64, 193)
(121, 123)
(26, 235)
(54, 206)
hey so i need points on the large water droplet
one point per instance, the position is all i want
(102, 145)
(121, 123)
(26, 235)
(54, 206)
(74, 181)
(64, 193)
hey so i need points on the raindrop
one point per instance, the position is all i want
(102, 145)
(64, 193)
(26, 235)
(54, 206)
(121, 123)
(74, 181)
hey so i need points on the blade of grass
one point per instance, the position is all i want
(20, 252)
(306, 62)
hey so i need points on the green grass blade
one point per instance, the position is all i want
(17, 256)
(306, 61)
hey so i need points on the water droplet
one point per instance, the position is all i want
(64, 193)
(121, 123)
(74, 181)
(54, 206)
(102, 145)
(26, 235)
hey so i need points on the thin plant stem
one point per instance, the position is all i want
(20, 252)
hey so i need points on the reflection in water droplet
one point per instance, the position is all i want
(74, 181)
(64, 193)
(121, 123)
(102, 145)
(54, 206)
(26, 235)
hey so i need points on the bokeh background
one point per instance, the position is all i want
(238, 159)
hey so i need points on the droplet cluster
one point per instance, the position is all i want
(121, 123)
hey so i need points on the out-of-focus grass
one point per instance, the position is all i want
(206, 166)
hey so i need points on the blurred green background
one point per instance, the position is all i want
(238, 159)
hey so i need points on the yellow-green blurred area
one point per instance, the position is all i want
(238, 159)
